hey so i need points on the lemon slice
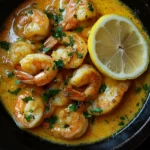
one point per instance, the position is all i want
(117, 47)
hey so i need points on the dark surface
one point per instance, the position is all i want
(13, 138)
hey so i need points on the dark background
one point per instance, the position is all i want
(7, 127)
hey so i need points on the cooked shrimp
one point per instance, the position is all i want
(36, 69)
(32, 24)
(111, 97)
(19, 50)
(73, 52)
(71, 125)
(28, 111)
(84, 75)
(76, 11)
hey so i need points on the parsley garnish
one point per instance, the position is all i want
(71, 53)
(58, 33)
(71, 41)
(17, 82)
(45, 50)
(77, 1)
(79, 29)
(72, 107)
(121, 123)
(59, 64)
(15, 92)
(30, 12)
(138, 104)
(87, 115)
(29, 117)
(20, 39)
(122, 118)
(96, 110)
(10, 74)
(138, 90)
(61, 9)
(146, 88)
(90, 7)
(27, 99)
(79, 55)
(52, 121)
(102, 88)
(4, 45)
(31, 111)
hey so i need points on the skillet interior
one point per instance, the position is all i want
(12, 137)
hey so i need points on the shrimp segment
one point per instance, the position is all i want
(32, 24)
(75, 122)
(111, 97)
(73, 52)
(85, 75)
(31, 67)
(19, 50)
(28, 114)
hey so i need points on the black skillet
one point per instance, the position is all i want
(12, 138)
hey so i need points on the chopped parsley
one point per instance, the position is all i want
(77, 1)
(87, 115)
(138, 90)
(45, 50)
(146, 88)
(15, 92)
(121, 123)
(47, 69)
(79, 29)
(79, 55)
(71, 41)
(59, 64)
(47, 108)
(5, 45)
(50, 93)
(90, 7)
(61, 9)
(10, 74)
(17, 82)
(31, 111)
(30, 12)
(20, 39)
(52, 121)
(138, 104)
(122, 118)
(72, 107)
(96, 110)
(29, 117)
(66, 82)
(58, 33)
(27, 99)
(102, 88)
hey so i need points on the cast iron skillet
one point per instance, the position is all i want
(11, 137)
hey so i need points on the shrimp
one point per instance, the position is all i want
(76, 11)
(36, 69)
(84, 75)
(73, 52)
(32, 24)
(28, 111)
(19, 50)
(111, 97)
(71, 125)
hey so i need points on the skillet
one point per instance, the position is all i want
(11, 137)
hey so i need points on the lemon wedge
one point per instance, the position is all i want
(117, 48)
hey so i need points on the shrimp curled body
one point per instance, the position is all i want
(75, 122)
(31, 67)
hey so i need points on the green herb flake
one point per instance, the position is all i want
(87, 115)
(72, 107)
(59, 64)
(77, 1)
(30, 12)
(58, 33)
(27, 99)
(79, 29)
(66, 82)
(138, 104)
(47, 108)
(17, 82)
(79, 55)
(61, 10)
(71, 41)
(52, 121)
(90, 102)
(31, 111)
(45, 50)
(29, 117)
(90, 7)
(15, 92)
(10, 74)
(71, 53)
(96, 110)
(47, 69)
(75, 16)
(146, 88)
(20, 39)
(5, 45)
(121, 123)
(122, 118)
(138, 90)
(102, 88)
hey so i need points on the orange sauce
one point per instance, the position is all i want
(103, 126)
